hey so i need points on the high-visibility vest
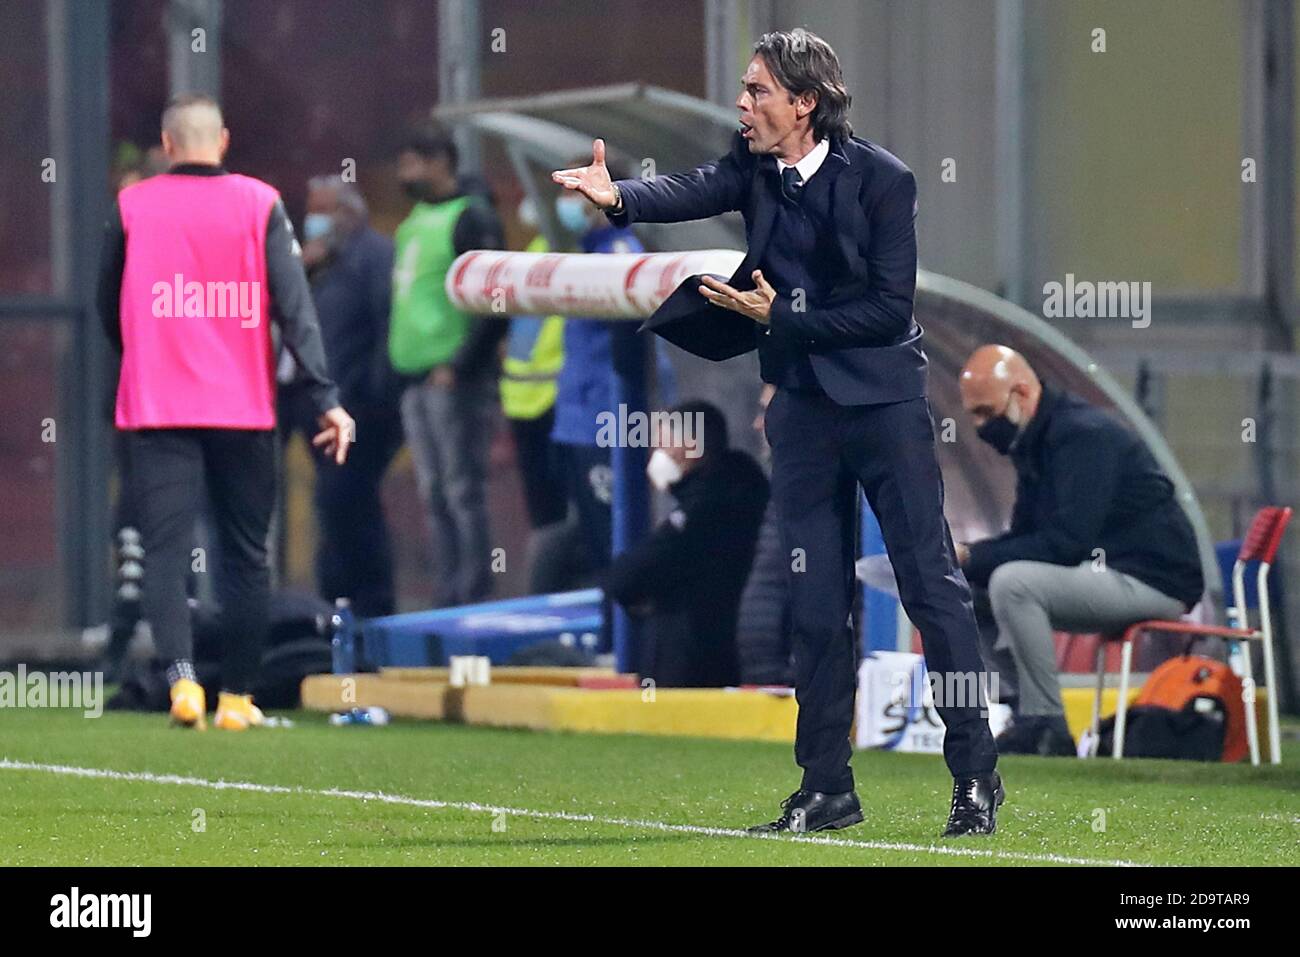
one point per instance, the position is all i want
(534, 355)
(425, 329)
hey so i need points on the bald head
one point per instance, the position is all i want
(992, 377)
(193, 130)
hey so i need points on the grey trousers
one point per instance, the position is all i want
(1031, 599)
(449, 432)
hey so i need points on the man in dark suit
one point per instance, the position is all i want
(825, 294)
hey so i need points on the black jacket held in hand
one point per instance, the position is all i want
(862, 342)
(687, 576)
(1085, 482)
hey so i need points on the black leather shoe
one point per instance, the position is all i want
(975, 803)
(806, 811)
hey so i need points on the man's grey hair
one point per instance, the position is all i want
(350, 197)
(193, 119)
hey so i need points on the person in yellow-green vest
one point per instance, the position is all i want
(533, 357)
(448, 360)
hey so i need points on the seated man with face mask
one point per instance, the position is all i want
(1097, 538)
(685, 579)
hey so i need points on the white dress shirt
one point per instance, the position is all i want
(811, 162)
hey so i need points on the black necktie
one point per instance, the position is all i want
(791, 183)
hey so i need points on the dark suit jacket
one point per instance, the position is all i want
(863, 343)
(1085, 482)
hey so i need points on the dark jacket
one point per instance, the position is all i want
(1085, 482)
(687, 576)
(862, 342)
(352, 291)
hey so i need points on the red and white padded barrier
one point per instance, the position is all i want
(602, 286)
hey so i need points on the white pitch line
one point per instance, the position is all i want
(631, 823)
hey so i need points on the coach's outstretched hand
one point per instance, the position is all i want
(337, 434)
(591, 181)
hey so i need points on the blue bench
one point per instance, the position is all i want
(494, 629)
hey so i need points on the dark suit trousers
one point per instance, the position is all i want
(821, 451)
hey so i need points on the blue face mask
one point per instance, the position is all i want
(317, 226)
(572, 213)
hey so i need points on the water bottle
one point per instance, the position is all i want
(372, 716)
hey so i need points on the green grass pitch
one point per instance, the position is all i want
(433, 794)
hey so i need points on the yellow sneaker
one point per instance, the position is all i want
(189, 704)
(236, 712)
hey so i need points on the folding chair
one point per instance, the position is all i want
(1260, 544)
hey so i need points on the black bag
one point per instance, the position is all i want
(297, 645)
(1155, 732)
(279, 681)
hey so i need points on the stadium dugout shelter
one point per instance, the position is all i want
(647, 131)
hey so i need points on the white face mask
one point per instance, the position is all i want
(662, 470)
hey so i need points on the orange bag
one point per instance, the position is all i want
(1179, 682)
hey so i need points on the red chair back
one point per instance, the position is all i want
(1265, 535)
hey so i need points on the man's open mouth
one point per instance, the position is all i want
(745, 129)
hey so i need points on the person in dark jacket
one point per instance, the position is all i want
(350, 267)
(1097, 538)
(686, 578)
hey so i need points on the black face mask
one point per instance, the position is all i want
(1000, 432)
(417, 189)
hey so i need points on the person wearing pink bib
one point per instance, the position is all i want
(198, 264)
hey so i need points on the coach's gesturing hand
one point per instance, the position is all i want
(755, 303)
(591, 181)
(337, 434)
